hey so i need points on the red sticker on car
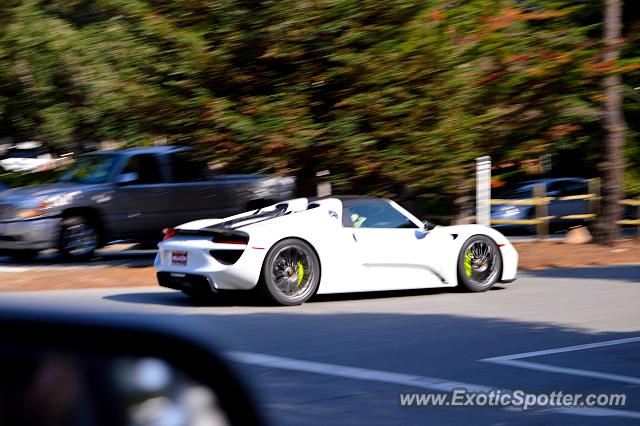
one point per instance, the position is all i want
(179, 258)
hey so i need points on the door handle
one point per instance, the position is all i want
(354, 237)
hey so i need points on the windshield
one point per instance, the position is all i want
(90, 169)
(21, 153)
(515, 194)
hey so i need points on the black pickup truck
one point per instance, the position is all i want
(126, 195)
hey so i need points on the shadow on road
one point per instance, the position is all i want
(176, 298)
(387, 294)
(620, 272)
(148, 298)
(247, 298)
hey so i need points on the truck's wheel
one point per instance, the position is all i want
(78, 238)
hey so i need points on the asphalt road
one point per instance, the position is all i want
(300, 360)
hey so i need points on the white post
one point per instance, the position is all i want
(323, 189)
(483, 190)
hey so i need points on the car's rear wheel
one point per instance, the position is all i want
(479, 263)
(291, 272)
(78, 238)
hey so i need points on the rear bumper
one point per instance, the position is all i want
(241, 275)
(38, 234)
(189, 283)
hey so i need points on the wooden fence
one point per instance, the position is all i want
(541, 202)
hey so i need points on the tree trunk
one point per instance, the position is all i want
(463, 200)
(306, 175)
(614, 128)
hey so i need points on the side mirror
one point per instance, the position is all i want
(113, 371)
(127, 178)
(428, 225)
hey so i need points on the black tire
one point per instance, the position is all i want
(479, 264)
(78, 238)
(23, 255)
(290, 273)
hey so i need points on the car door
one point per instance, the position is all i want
(566, 188)
(138, 208)
(392, 249)
(194, 195)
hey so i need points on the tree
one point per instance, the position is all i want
(614, 126)
(389, 96)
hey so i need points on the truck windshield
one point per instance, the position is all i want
(21, 153)
(90, 169)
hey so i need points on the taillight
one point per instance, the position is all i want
(168, 233)
(231, 239)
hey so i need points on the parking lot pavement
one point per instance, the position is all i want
(345, 359)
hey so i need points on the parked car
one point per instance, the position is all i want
(554, 187)
(291, 250)
(27, 157)
(125, 195)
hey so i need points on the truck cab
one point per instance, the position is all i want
(127, 195)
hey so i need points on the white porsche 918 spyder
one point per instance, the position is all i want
(295, 249)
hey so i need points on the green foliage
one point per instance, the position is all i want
(14, 180)
(384, 94)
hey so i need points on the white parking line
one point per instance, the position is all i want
(571, 371)
(431, 383)
(422, 382)
(565, 349)
(513, 361)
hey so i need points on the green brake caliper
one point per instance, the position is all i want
(467, 263)
(300, 273)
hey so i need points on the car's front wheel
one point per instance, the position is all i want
(479, 263)
(78, 238)
(291, 272)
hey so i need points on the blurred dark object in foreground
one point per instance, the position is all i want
(60, 370)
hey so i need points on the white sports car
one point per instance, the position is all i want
(295, 249)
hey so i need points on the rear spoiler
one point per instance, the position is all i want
(221, 235)
(255, 217)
